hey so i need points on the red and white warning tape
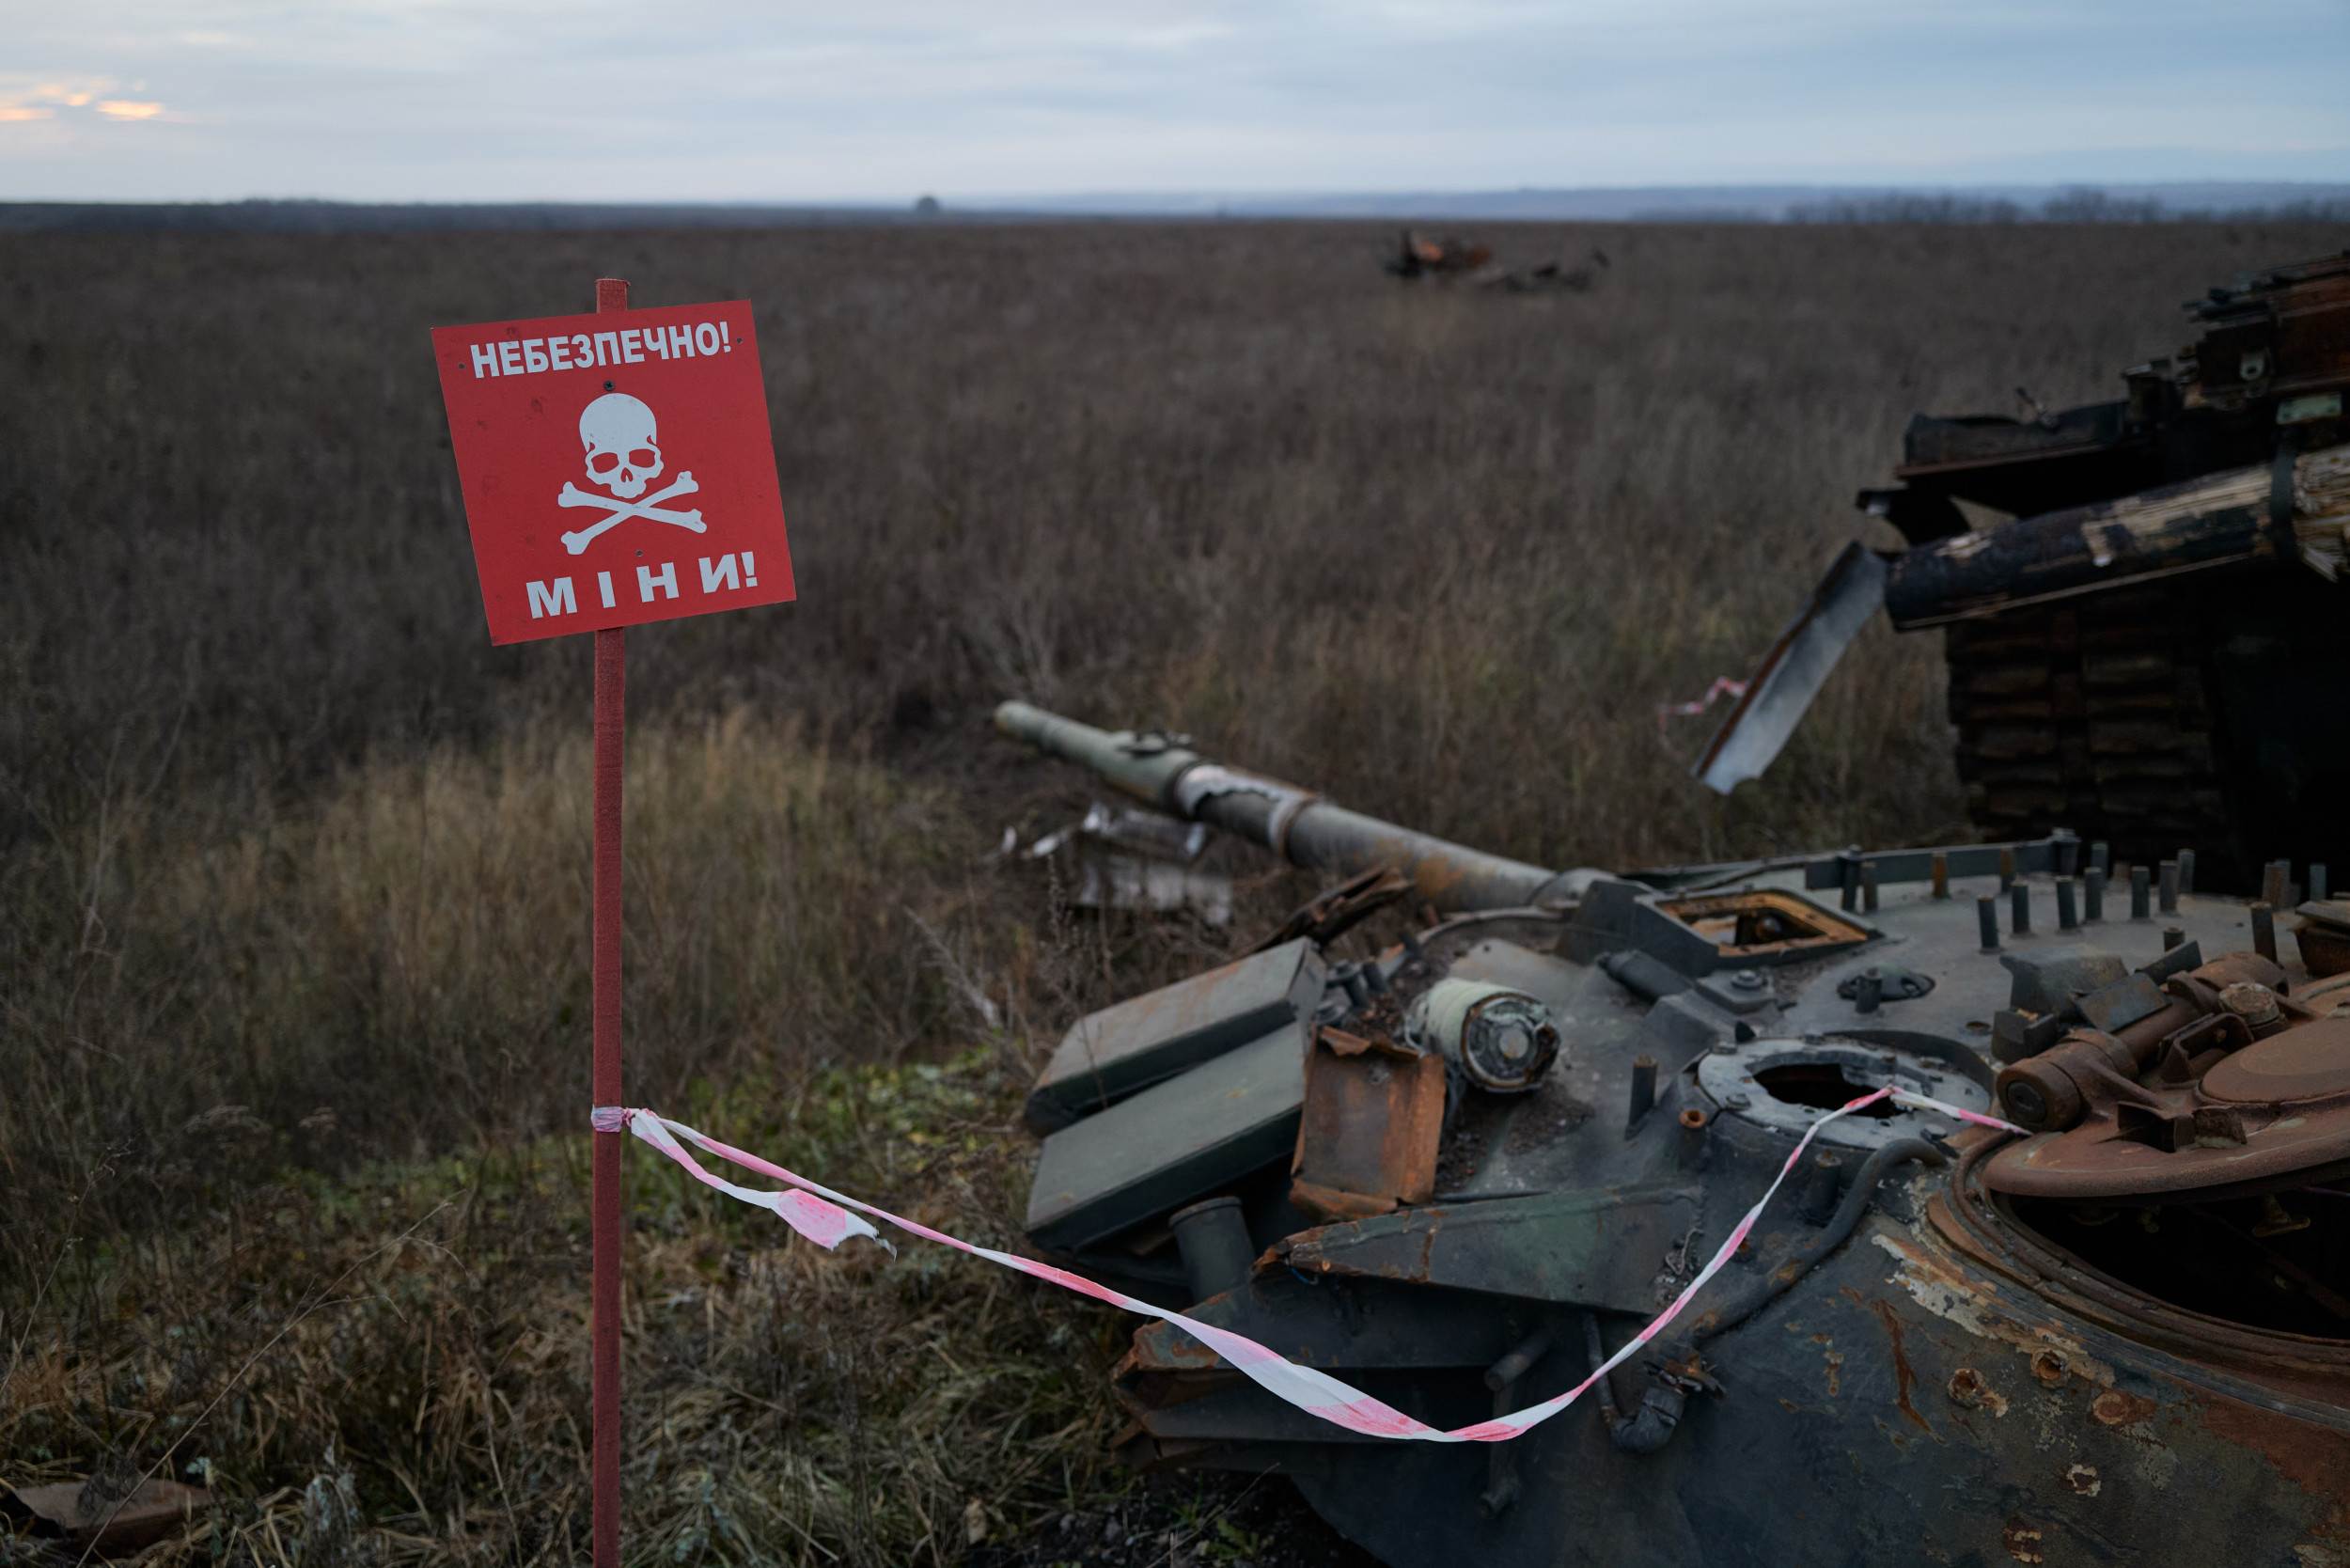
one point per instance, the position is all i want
(1722, 686)
(822, 1214)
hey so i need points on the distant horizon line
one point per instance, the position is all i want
(1753, 202)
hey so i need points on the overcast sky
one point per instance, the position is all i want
(731, 100)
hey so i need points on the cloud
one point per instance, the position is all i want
(24, 98)
(43, 97)
(790, 99)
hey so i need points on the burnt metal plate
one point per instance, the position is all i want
(1764, 924)
(2117, 1007)
(2066, 1165)
(1599, 1247)
(2331, 912)
(1699, 934)
(1794, 670)
(2260, 1150)
(2048, 981)
(1790, 1085)
(2324, 945)
(1222, 1406)
(2298, 1065)
(1359, 1322)
(1366, 1139)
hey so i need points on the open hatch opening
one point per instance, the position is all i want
(2280, 1261)
(1753, 928)
(1763, 923)
(1821, 1085)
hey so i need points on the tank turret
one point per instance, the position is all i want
(1459, 1172)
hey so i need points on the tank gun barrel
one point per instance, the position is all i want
(1295, 824)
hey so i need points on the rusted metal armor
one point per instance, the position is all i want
(1458, 1171)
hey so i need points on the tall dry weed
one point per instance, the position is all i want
(398, 966)
(399, 963)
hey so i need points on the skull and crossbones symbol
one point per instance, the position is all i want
(623, 456)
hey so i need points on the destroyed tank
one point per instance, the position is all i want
(2153, 647)
(1459, 1172)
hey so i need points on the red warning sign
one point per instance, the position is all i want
(618, 468)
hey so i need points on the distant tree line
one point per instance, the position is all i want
(2074, 204)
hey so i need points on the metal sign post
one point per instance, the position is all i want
(673, 399)
(608, 1149)
(604, 1192)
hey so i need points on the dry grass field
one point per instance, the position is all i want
(293, 865)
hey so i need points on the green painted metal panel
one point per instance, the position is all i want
(1125, 1049)
(1599, 1247)
(1188, 1139)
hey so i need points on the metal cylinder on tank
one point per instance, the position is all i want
(1501, 1039)
(1213, 1237)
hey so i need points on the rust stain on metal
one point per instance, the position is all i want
(2253, 1087)
(1148, 1396)
(1157, 1347)
(1835, 1363)
(2022, 1540)
(1763, 923)
(1181, 1353)
(2083, 1480)
(1368, 1136)
(1971, 1390)
(1335, 911)
(1439, 881)
(1940, 1284)
(2116, 1408)
(2317, 1462)
(1905, 1375)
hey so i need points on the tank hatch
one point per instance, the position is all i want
(2234, 1088)
(1788, 1087)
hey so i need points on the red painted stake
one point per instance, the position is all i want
(605, 1203)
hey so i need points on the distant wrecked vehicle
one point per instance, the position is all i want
(1416, 256)
(1458, 1174)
